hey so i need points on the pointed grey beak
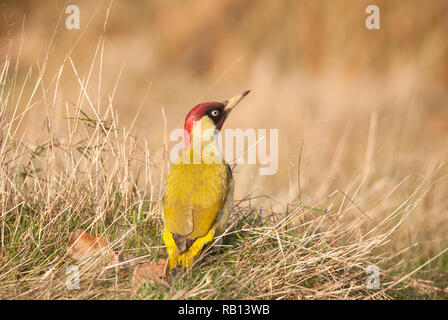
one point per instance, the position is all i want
(232, 102)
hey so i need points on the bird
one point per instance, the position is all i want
(198, 191)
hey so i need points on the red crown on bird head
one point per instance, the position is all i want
(203, 109)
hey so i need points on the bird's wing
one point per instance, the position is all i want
(194, 196)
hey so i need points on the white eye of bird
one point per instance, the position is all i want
(215, 113)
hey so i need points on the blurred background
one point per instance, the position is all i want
(370, 106)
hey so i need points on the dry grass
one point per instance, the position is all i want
(372, 183)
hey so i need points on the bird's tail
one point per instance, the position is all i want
(184, 259)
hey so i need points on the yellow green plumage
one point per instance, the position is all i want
(198, 194)
(196, 203)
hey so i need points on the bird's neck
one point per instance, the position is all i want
(201, 143)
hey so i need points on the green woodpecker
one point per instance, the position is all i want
(198, 193)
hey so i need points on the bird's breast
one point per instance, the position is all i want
(194, 195)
